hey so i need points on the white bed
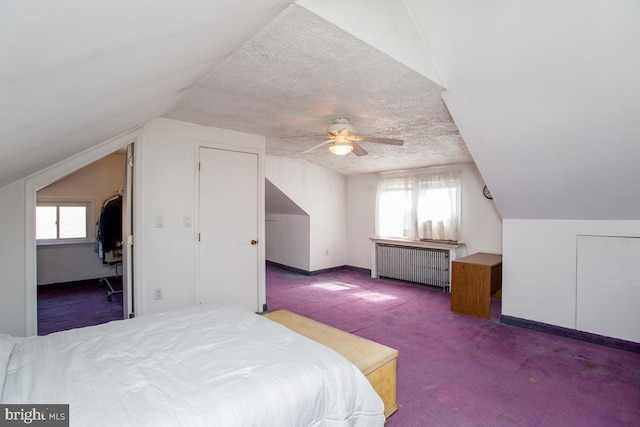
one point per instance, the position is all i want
(202, 366)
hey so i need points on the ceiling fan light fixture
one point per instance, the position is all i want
(340, 148)
(339, 125)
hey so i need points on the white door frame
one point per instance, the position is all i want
(127, 231)
(262, 298)
(41, 180)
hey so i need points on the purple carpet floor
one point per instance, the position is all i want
(458, 370)
(68, 306)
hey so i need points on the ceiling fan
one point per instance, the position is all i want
(343, 139)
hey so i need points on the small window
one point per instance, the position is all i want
(62, 221)
(419, 205)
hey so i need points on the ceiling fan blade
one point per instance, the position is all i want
(388, 141)
(321, 135)
(308, 150)
(357, 150)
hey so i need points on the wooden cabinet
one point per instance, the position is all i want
(376, 361)
(473, 280)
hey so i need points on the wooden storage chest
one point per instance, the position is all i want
(376, 361)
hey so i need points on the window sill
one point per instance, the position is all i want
(70, 242)
(417, 243)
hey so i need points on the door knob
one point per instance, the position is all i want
(254, 242)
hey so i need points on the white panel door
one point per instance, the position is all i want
(228, 226)
(608, 286)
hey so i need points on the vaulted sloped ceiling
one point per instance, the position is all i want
(389, 26)
(75, 73)
(544, 94)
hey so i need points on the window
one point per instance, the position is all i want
(419, 206)
(62, 221)
(394, 211)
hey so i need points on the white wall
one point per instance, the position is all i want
(321, 193)
(70, 262)
(608, 286)
(539, 266)
(344, 220)
(12, 260)
(17, 226)
(288, 240)
(165, 172)
(481, 228)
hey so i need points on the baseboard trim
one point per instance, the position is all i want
(359, 269)
(288, 267)
(83, 282)
(316, 272)
(571, 333)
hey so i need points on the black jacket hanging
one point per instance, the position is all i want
(110, 227)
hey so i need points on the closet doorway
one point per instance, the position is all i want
(83, 262)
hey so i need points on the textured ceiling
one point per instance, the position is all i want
(300, 72)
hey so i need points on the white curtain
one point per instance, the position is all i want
(394, 207)
(419, 206)
(438, 205)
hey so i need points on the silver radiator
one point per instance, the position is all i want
(427, 266)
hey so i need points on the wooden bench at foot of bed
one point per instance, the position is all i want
(376, 361)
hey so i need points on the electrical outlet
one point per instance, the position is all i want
(157, 293)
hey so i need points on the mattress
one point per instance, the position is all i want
(201, 366)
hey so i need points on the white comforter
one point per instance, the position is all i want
(204, 366)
